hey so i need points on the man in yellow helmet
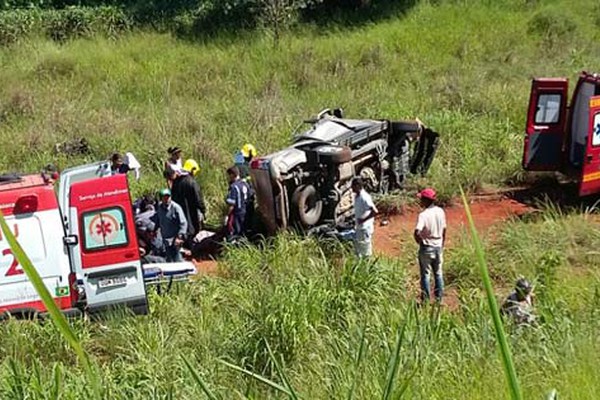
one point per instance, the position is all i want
(243, 158)
(186, 192)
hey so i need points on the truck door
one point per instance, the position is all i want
(546, 123)
(590, 173)
(106, 256)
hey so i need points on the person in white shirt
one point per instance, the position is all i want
(122, 165)
(364, 216)
(430, 234)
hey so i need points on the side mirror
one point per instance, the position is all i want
(71, 240)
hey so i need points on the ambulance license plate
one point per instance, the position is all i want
(112, 282)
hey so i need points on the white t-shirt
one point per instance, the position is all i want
(363, 204)
(430, 226)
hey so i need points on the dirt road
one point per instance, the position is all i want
(486, 211)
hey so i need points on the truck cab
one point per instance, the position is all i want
(307, 185)
(85, 232)
(562, 136)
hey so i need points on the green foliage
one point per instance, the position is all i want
(553, 24)
(62, 326)
(384, 347)
(63, 24)
(330, 323)
(505, 352)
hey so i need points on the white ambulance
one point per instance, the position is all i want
(87, 232)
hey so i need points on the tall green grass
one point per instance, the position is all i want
(63, 328)
(335, 327)
(299, 310)
(453, 64)
(506, 356)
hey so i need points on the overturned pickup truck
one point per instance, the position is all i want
(309, 183)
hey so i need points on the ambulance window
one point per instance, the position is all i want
(104, 228)
(548, 109)
(596, 130)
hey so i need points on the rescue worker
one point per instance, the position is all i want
(519, 304)
(186, 192)
(152, 247)
(122, 165)
(430, 234)
(173, 165)
(237, 202)
(243, 158)
(364, 218)
(173, 226)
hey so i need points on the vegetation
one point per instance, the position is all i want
(453, 65)
(335, 327)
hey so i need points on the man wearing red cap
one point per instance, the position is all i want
(430, 234)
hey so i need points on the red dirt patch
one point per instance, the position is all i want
(487, 211)
(206, 267)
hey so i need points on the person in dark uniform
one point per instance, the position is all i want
(187, 193)
(237, 202)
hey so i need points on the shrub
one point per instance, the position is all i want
(63, 24)
(74, 22)
(552, 24)
(17, 24)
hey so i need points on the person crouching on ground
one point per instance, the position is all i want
(364, 215)
(430, 234)
(519, 304)
(237, 202)
(173, 226)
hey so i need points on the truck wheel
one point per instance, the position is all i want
(308, 205)
(334, 154)
(405, 127)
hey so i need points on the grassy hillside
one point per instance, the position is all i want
(314, 306)
(463, 67)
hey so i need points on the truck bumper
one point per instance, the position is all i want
(139, 306)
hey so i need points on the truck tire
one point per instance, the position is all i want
(405, 126)
(308, 205)
(334, 154)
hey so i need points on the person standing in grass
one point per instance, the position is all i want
(122, 165)
(364, 216)
(173, 226)
(243, 158)
(173, 165)
(237, 203)
(430, 234)
(186, 192)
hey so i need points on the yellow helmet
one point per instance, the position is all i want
(249, 150)
(191, 166)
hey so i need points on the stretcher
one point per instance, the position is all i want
(160, 274)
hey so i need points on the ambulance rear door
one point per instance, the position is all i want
(590, 172)
(106, 255)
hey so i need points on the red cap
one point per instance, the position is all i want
(428, 193)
